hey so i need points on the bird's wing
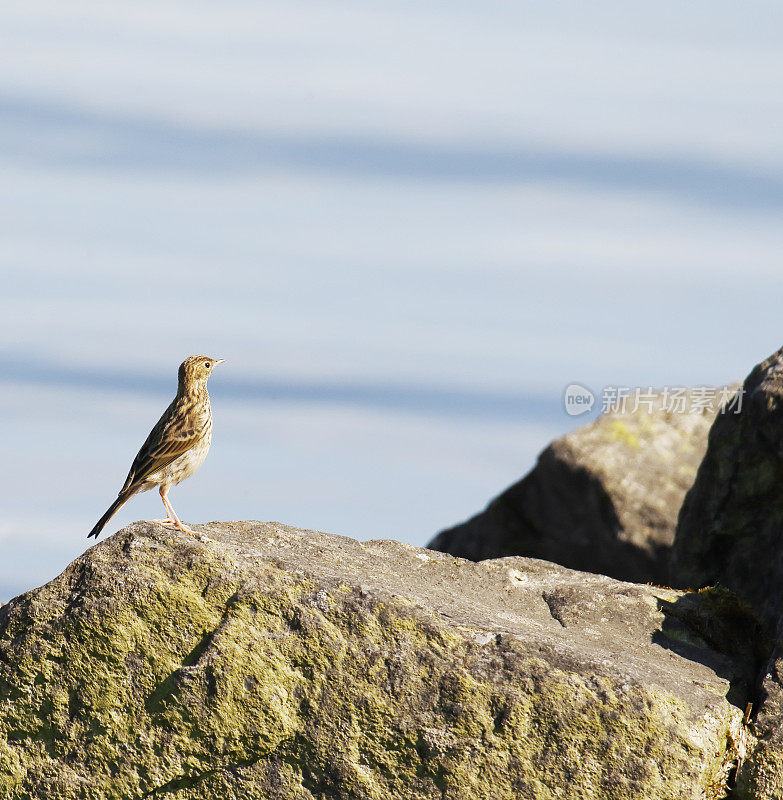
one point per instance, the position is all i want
(173, 435)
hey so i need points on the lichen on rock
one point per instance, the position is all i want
(268, 662)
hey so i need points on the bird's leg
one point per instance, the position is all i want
(173, 519)
(168, 521)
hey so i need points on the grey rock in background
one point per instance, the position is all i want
(730, 533)
(603, 498)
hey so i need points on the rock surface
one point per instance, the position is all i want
(731, 533)
(269, 662)
(603, 498)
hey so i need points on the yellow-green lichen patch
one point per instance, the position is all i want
(620, 432)
(151, 671)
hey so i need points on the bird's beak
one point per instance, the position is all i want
(220, 361)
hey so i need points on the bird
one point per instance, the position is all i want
(176, 446)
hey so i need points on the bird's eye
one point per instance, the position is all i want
(208, 365)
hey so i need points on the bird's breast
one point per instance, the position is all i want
(186, 464)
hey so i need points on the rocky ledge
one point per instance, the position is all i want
(262, 661)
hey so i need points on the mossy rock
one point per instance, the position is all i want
(268, 662)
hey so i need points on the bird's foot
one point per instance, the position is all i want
(202, 537)
(184, 528)
(167, 523)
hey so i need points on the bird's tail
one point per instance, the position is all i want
(110, 512)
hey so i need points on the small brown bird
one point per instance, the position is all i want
(176, 446)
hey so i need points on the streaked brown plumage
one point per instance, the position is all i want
(176, 446)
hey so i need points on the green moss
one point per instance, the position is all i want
(196, 680)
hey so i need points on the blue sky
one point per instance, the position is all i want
(407, 227)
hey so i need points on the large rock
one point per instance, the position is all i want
(730, 525)
(281, 664)
(731, 533)
(603, 498)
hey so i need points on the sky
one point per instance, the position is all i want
(406, 227)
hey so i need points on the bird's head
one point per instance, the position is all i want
(196, 369)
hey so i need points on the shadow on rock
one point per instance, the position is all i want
(715, 628)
